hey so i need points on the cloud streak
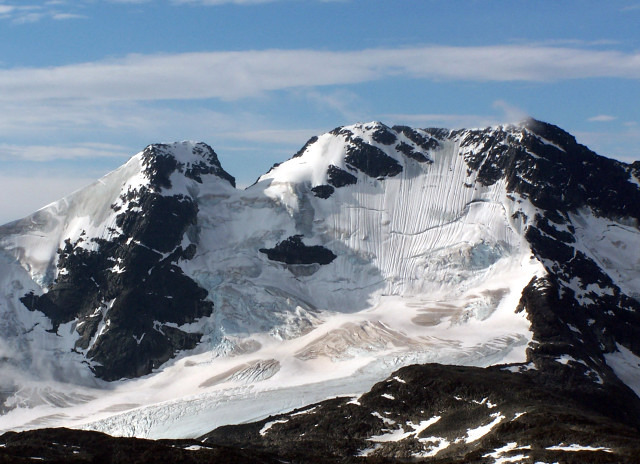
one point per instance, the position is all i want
(602, 118)
(221, 2)
(32, 12)
(74, 151)
(236, 75)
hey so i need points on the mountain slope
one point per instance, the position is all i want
(372, 248)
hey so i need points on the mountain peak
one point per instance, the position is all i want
(193, 159)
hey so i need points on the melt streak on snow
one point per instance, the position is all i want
(430, 267)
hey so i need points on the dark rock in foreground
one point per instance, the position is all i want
(62, 445)
(453, 414)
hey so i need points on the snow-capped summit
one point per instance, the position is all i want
(191, 159)
(371, 248)
(340, 157)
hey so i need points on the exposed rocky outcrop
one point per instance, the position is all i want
(452, 414)
(294, 251)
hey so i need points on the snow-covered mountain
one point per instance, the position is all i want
(161, 301)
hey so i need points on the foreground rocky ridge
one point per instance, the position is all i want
(427, 413)
(64, 446)
(448, 414)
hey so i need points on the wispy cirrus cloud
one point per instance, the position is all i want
(236, 75)
(133, 94)
(602, 118)
(221, 2)
(72, 151)
(34, 12)
(634, 7)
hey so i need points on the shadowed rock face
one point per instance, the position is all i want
(421, 142)
(339, 177)
(368, 158)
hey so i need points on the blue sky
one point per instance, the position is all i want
(85, 84)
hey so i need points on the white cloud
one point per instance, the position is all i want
(74, 151)
(32, 12)
(295, 137)
(234, 75)
(602, 118)
(634, 7)
(65, 16)
(347, 104)
(511, 113)
(221, 2)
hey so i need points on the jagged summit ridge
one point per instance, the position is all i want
(341, 156)
(192, 159)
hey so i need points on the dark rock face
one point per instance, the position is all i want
(562, 173)
(323, 191)
(520, 408)
(382, 134)
(371, 160)
(368, 158)
(417, 138)
(75, 446)
(159, 163)
(408, 151)
(128, 293)
(293, 251)
(339, 177)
